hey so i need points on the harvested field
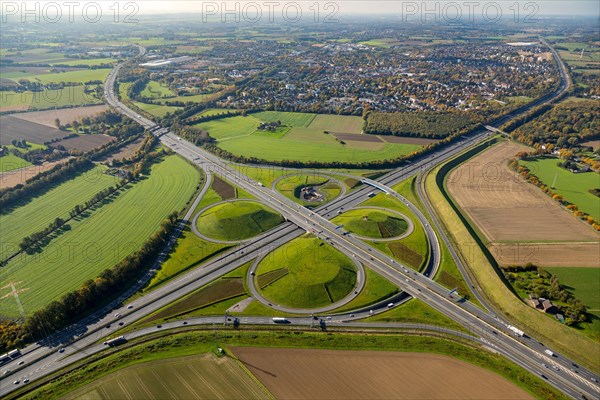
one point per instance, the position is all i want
(223, 189)
(126, 151)
(13, 178)
(357, 137)
(196, 377)
(548, 254)
(85, 142)
(15, 128)
(407, 140)
(66, 115)
(335, 374)
(405, 253)
(505, 207)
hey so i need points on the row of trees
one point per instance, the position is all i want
(43, 182)
(95, 292)
(541, 284)
(35, 237)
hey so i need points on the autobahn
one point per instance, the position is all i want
(486, 325)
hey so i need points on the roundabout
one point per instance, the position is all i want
(305, 276)
(376, 224)
(234, 221)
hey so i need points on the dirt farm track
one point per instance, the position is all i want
(340, 374)
(510, 211)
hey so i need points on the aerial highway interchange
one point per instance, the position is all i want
(486, 327)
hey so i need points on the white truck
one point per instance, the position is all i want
(549, 352)
(517, 331)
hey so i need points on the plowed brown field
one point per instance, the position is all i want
(339, 374)
(506, 208)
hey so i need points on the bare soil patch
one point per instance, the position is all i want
(223, 189)
(85, 142)
(65, 115)
(594, 143)
(126, 151)
(337, 374)
(508, 209)
(16, 128)
(407, 140)
(13, 178)
(357, 137)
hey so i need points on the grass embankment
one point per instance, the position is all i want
(237, 220)
(372, 223)
(411, 250)
(199, 342)
(554, 334)
(448, 273)
(305, 273)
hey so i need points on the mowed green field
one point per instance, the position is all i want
(98, 242)
(38, 213)
(302, 138)
(92, 62)
(573, 187)
(237, 220)
(202, 376)
(156, 89)
(372, 223)
(50, 98)
(309, 273)
(77, 76)
(11, 162)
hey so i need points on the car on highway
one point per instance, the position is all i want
(117, 315)
(390, 305)
(6, 372)
(16, 382)
(61, 350)
(129, 307)
(25, 380)
(21, 362)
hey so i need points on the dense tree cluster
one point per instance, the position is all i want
(541, 284)
(95, 292)
(424, 124)
(565, 124)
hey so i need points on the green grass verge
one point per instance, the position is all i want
(101, 240)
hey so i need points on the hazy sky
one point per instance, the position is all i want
(544, 7)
